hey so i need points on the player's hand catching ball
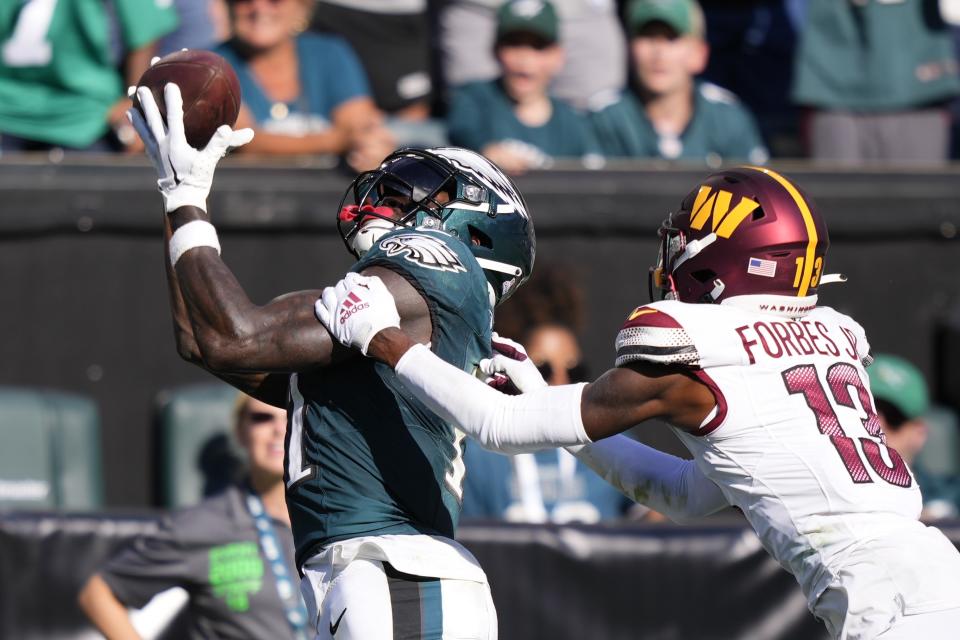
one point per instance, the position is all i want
(511, 360)
(356, 309)
(185, 174)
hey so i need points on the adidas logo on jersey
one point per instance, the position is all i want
(352, 305)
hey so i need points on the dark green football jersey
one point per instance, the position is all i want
(364, 457)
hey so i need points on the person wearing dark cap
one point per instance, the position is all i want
(903, 402)
(513, 120)
(668, 113)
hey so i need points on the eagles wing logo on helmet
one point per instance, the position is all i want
(485, 173)
(427, 251)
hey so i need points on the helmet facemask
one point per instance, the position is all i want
(675, 250)
(659, 280)
(407, 192)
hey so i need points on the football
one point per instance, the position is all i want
(208, 84)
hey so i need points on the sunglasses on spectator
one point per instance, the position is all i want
(576, 373)
(259, 417)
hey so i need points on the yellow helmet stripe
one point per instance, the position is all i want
(808, 223)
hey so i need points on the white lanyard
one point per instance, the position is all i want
(293, 606)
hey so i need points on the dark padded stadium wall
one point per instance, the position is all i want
(83, 300)
(89, 314)
(661, 582)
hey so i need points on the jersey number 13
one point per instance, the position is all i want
(841, 378)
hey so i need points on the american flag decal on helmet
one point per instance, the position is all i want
(650, 335)
(760, 267)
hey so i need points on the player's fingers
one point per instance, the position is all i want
(174, 102)
(323, 314)
(140, 126)
(151, 113)
(496, 338)
(341, 290)
(503, 384)
(373, 284)
(491, 366)
(352, 278)
(497, 381)
(510, 349)
(240, 137)
(220, 141)
(376, 284)
(486, 366)
(329, 299)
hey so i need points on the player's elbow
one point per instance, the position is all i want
(187, 347)
(223, 352)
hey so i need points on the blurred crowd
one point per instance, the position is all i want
(525, 82)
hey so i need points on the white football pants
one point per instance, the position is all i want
(353, 597)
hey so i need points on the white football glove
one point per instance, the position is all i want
(356, 309)
(512, 361)
(186, 174)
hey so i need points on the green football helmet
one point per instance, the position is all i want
(449, 189)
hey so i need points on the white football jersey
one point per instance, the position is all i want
(795, 443)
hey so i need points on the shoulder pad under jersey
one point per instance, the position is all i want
(678, 333)
(855, 332)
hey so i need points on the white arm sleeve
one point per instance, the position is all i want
(673, 486)
(543, 419)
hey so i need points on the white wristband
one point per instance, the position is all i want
(198, 233)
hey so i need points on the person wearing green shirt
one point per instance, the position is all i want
(668, 113)
(513, 120)
(877, 76)
(65, 66)
(903, 406)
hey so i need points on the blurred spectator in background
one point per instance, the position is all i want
(393, 42)
(589, 30)
(233, 552)
(903, 404)
(302, 93)
(752, 46)
(65, 66)
(513, 120)
(668, 113)
(550, 485)
(203, 25)
(878, 76)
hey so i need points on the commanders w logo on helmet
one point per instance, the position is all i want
(715, 206)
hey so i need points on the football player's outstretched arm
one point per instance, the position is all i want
(271, 388)
(215, 322)
(548, 417)
(673, 486)
(231, 334)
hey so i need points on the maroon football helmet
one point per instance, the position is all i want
(743, 231)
